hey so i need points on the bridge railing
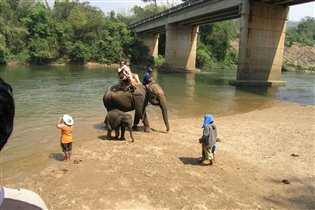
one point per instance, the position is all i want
(167, 12)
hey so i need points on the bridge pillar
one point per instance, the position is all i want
(180, 46)
(262, 35)
(151, 41)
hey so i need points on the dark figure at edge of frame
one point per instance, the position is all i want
(13, 198)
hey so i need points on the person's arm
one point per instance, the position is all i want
(59, 123)
(215, 131)
(205, 135)
(212, 135)
(127, 70)
(151, 80)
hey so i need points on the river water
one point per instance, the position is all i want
(44, 93)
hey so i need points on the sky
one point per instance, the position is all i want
(302, 10)
(123, 6)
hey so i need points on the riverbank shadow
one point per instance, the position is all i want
(99, 126)
(258, 90)
(57, 156)
(189, 160)
(104, 138)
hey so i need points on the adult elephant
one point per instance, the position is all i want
(137, 100)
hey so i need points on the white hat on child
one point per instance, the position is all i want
(68, 119)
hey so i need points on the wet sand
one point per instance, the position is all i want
(258, 151)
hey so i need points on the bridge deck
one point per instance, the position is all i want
(199, 12)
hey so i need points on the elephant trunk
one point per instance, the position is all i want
(163, 106)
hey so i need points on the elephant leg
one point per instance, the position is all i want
(146, 123)
(136, 121)
(116, 133)
(109, 134)
(123, 129)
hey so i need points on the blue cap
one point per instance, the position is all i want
(208, 119)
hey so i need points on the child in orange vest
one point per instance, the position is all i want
(65, 124)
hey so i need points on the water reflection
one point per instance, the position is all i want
(262, 91)
(42, 93)
(190, 87)
(252, 98)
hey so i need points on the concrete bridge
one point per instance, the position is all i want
(262, 34)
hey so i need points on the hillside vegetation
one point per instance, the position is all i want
(299, 50)
(299, 57)
(295, 57)
(74, 32)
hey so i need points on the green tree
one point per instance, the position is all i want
(16, 38)
(291, 36)
(63, 8)
(43, 46)
(217, 37)
(71, 30)
(64, 34)
(43, 50)
(14, 33)
(39, 22)
(78, 53)
(140, 54)
(23, 8)
(304, 32)
(150, 10)
(3, 50)
(203, 57)
(118, 39)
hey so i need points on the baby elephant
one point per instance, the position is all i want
(116, 119)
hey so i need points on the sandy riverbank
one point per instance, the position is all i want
(256, 152)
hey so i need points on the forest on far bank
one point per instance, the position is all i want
(75, 32)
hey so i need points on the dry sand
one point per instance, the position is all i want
(257, 150)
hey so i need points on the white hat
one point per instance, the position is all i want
(67, 119)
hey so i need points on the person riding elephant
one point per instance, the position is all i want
(125, 74)
(115, 98)
(147, 78)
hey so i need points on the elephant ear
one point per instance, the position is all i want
(151, 95)
(107, 123)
